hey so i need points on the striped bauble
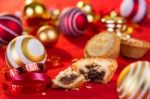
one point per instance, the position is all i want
(73, 22)
(25, 50)
(134, 81)
(134, 10)
(10, 27)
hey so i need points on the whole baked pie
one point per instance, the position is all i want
(134, 48)
(105, 44)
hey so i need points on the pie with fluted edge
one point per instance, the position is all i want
(105, 44)
(96, 69)
(134, 48)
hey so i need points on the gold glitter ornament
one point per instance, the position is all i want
(48, 35)
(134, 81)
(25, 50)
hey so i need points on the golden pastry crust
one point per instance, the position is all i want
(134, 48)
(59, 80)
(105, 65)
(135, 43)
(105, 44)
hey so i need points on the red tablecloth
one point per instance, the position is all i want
(70, 48)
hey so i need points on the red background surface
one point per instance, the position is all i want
(70, 48)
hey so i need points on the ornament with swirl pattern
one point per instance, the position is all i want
(25, 50)
(134, 81)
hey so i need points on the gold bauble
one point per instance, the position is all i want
(35, 9)
(88, 10)
(29, 1)
(134, 81)
(93, 17)
(54, 15)
(90, 17)
(85, 7)
(36, 14)
(48, 35)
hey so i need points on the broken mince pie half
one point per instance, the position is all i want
(96, 69)
(68, 79)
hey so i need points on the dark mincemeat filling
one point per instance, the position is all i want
(96, 76)
(92, 73)
(91, 66)
(68, 79)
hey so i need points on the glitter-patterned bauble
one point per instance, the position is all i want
(133, 9)
(73, 22)
(48, 35)
(10, 27)
(25, 50)
(134, 81)
(35, 13)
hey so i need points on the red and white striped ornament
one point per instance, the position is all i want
(134, 9)
(10, 27)
(73, 22)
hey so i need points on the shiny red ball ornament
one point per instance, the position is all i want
(10, 27)
(73, 22)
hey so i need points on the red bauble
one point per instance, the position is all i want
(10, 27)
(73, 22)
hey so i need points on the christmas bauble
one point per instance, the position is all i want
(134, 81)
(29, 1)
(35, 13)
(73, 22)
(85, 7)
(133, 9)
(48, 35)
(10, 27)
(25, 50)
(54, 15)
(34, 9)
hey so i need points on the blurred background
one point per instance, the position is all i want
(104, 5)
